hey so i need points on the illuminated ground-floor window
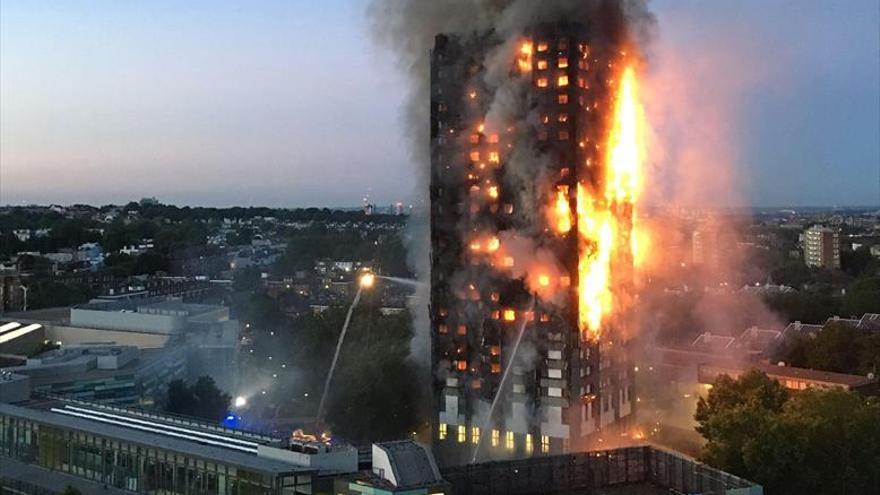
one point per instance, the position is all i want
(496, 438)
(475, 435)
(462, 433)
(441, 431)
(530, 446)
(545, 443)
(508, 440)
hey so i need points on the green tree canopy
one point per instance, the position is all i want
(201, 400)
(813, 441)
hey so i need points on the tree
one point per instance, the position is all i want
(839, 347)
(201, 400)
(858, 262)
(862, 296)
(247, 279)
(45, 293)
(734, 409)
(240, 237)
(813, 441)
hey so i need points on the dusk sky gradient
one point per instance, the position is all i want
(290, 103)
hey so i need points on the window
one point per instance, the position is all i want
(562, 117)
(563, 99)
(509, 441)
(441, 431)
(542, 64)
(461, 365)
(562, 81)
(542, 82)
(554, 392)
(554, 354)
(542, 46)
(475, 138)
(475, 156)
(475, 435)
(563, 135)
(462, 433)
(495, 368)
(562, 44)
(529, 443)
(562, 62)
(554, 373)
(496, 438)
(509, 315)
(461, 330)
(493, 157)
(545, 443)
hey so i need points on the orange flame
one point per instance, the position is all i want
(625, 153)
(525, 56)
(562, 210)
(604, 224)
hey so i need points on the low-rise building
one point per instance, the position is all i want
(45, 443)
(400, 467)
(111, 374)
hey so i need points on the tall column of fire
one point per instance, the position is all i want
(535, 175)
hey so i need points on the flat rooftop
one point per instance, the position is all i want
(154, 432)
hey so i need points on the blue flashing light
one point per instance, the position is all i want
(231, 420)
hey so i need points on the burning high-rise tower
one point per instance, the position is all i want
(535, 158)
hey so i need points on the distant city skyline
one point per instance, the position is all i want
(290, 104)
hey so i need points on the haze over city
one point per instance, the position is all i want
(440, 247)
(291, 104)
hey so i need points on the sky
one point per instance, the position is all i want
(289, 103)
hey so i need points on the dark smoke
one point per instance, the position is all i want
(407, 28)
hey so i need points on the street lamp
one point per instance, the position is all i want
(367, 280)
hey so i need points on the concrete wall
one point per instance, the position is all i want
(118, 320)
(344, 460)
(72, 335)
(15, 388)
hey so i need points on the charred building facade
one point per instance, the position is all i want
(518, 129)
